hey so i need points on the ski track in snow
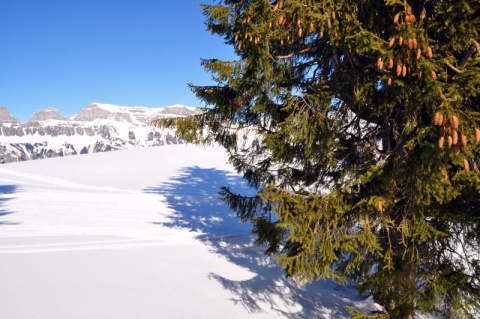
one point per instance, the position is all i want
(141, 234)
(39, 181)
(63, 209)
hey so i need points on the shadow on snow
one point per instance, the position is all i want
(193, 195)
(5, 194)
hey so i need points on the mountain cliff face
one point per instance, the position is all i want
(97, 128)
(47, 114)
(6, 117)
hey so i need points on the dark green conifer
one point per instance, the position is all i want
(358, 121)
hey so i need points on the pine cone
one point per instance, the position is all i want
(441, 141)
(380, 63)
(411, 19)
(456, 150)
(399, 70)
(380, 206)
(455, 122)
(466, 165)
(390, 63)
(463, 140)
(477, 135)
(410, 44)
(396, 18)
(438, 119)
(398, 56)
(392, 42)
(454, 137)
(429, 52)
(419, 54)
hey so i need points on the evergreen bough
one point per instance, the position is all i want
(358, 123)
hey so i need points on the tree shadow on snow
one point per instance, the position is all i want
(193, 195)
(5, 191)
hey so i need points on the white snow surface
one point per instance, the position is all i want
(140, 233)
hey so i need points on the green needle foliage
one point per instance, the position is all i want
(358, 122)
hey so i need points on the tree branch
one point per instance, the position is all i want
(474, 48)
(288, 56)
(477, 46)
(454, 69)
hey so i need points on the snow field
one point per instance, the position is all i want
(140, 234)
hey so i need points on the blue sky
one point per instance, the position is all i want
(69, 53)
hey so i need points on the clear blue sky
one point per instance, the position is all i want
(69, 53)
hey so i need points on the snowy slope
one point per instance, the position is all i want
(140, 234)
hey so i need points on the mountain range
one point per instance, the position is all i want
(97, 128)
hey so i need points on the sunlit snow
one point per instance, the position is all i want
(141, 233)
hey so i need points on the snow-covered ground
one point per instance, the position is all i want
(140, 234)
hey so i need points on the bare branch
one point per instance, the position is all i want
(474, 48)
(288, 56)
(454, 69)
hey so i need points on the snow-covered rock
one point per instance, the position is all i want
(6, 118)
(97, 128)
(47, 114)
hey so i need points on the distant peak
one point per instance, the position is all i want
(6, 117)
(133, 114)
(49, 113)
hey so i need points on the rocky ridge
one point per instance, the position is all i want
(97, 128)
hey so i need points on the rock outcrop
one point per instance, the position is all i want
(97, 128)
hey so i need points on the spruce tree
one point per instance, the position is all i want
(358, 123)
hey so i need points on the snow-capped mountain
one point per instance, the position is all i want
(97, 128)
(47, 114)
